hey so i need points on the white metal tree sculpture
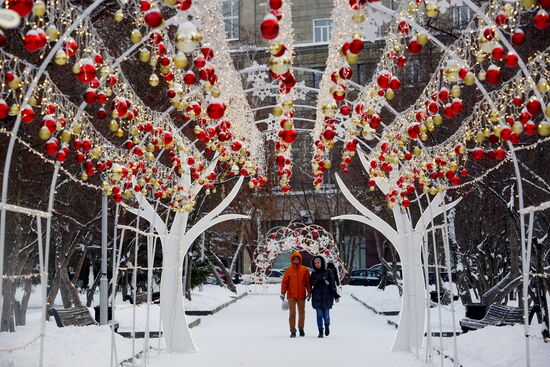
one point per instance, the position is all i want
(407, 238)
(176, 241)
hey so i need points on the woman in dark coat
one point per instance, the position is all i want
(323, 294)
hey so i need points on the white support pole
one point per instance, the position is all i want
(150, 264)
(44, 291)
(526, 271)
(425, 254)
(447, 249)
(114, 280)
(134, 294)
(103, 281)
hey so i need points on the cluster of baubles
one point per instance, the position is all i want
(522, 114)
(525, 113)
(280, 67)
(350, 51)
(153, 155)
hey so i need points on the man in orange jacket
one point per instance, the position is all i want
(294, 286)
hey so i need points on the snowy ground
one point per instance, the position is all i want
(497, 347)
(69, 346)
(387, 300)
(212, 296)
(254, 332)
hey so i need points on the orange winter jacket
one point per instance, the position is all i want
(296, 279)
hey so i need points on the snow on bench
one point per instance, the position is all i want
(497, 315)
(74, 316)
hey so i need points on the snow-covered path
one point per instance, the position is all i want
(254, 333)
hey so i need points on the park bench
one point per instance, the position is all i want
(142, 298)
(444, 298)
(74, 316)
(497, 315)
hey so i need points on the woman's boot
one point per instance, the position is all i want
(320, 333)
(327, 331)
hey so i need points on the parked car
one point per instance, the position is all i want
(378, 267)
(364, 277)
(275, 276)
(369, 277)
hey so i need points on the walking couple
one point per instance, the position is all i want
(298, 286)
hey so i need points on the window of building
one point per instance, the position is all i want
(321, 30)
(413, 72)
(317, 78)
(361, 74)
(231, 18)
(461, 16)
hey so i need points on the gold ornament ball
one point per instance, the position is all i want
(52, 33)
(544, 129)
(119, 16)
(481, 75)
(120, 133)
(277, 111)
(61, 57)
(543, 86)
(77, 129)
(135, 36)
(422, 38)
(144, 55)
(76, 68)
(412, 8)
(517, 127)
(390, 94)
(39, 9)
(288, 104)
(528, 4)
(44, 133)
(66, 136)
(180, 60)
(358, 17)
(455, 91)
(352, 58)
(432, 10)
(469, 79)
(113, 126)
(275, 48)
(15, 83)
(154, 80)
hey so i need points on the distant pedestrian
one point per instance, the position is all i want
(324, 294)
(332, 267)
(297, 288)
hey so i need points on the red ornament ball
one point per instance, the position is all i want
(269, 27)
(35, 40)
(153, 18)
(21, 7)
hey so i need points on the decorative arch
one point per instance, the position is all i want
(297, 236)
